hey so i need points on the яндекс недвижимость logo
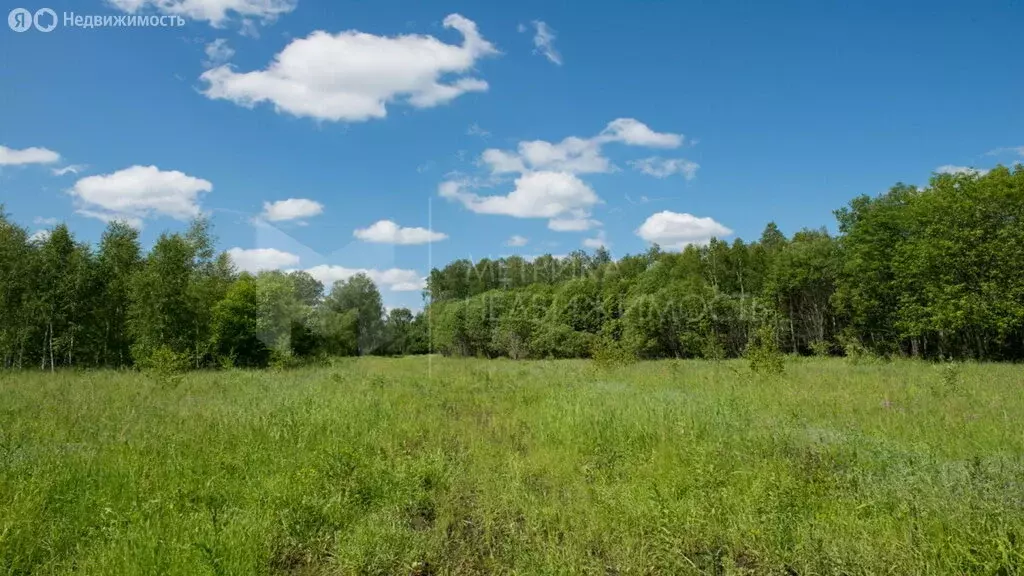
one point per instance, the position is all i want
(46, 20)
(20, 19)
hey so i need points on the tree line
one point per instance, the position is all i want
(65, 304)
(932, 272)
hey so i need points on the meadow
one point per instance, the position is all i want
(457, 466)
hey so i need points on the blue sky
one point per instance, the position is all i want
(462, 125)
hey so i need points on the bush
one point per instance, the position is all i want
(763, 352)
(608, 352)
(854, 349)
(711, 348)
(165, 364)
(949, 377)
(282, 360)
(560, 341)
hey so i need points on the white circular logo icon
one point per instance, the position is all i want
(20, 19)
(44, 23)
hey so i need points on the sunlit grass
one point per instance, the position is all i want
(394, 466)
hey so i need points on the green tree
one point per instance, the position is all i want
(236, 330)
(18, 294)
(160, 311)
(64, 305)
(118, 261)
(359, 294)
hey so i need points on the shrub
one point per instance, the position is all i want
(608, 352)
(763, 352)
(164, 364)
(950, 377)
(821, 348)
(854, 349)
(712, 348)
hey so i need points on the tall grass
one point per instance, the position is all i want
(391, 466)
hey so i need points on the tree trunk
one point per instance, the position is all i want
(46, 336)
(52, 369)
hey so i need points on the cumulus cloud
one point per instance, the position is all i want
(39, 236)
(394, 279)
(635, 133)
(12, 157)
(502, 162)
(291, 209)
(517, 240)
(216, 12)
(674, 230)
(388, 232)
(544, 42)
(548, 185)
(951, 169)
(139, 192)
(352, 76)
(536, 195)
(575, 154)
(596, 242)
(218, 52)
(258, 259)
(665, 167)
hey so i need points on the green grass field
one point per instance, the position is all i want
(379, 466)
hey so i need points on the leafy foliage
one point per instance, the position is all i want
(924, 272)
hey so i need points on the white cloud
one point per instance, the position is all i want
(950, 169)
(216, 12)
(532, 257)
(257, 259)
(139, 192)
(548, 185)
(502, 162)
(352, 76)
(39, 236)
(70, 169)
(249, 28)
(517, 240)
(133, 221)
(218, 52)
(572, 224)
(12, 157)
(394, 279)
(665, 167)
(544, 41)
(1018, 150)
(574, 154)
(388, 232)
(674, 230)
(596, 242)
(536, 195)
(635, 133)
(475, 130)
(409, 286)
(291, 209)
(45, 221)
